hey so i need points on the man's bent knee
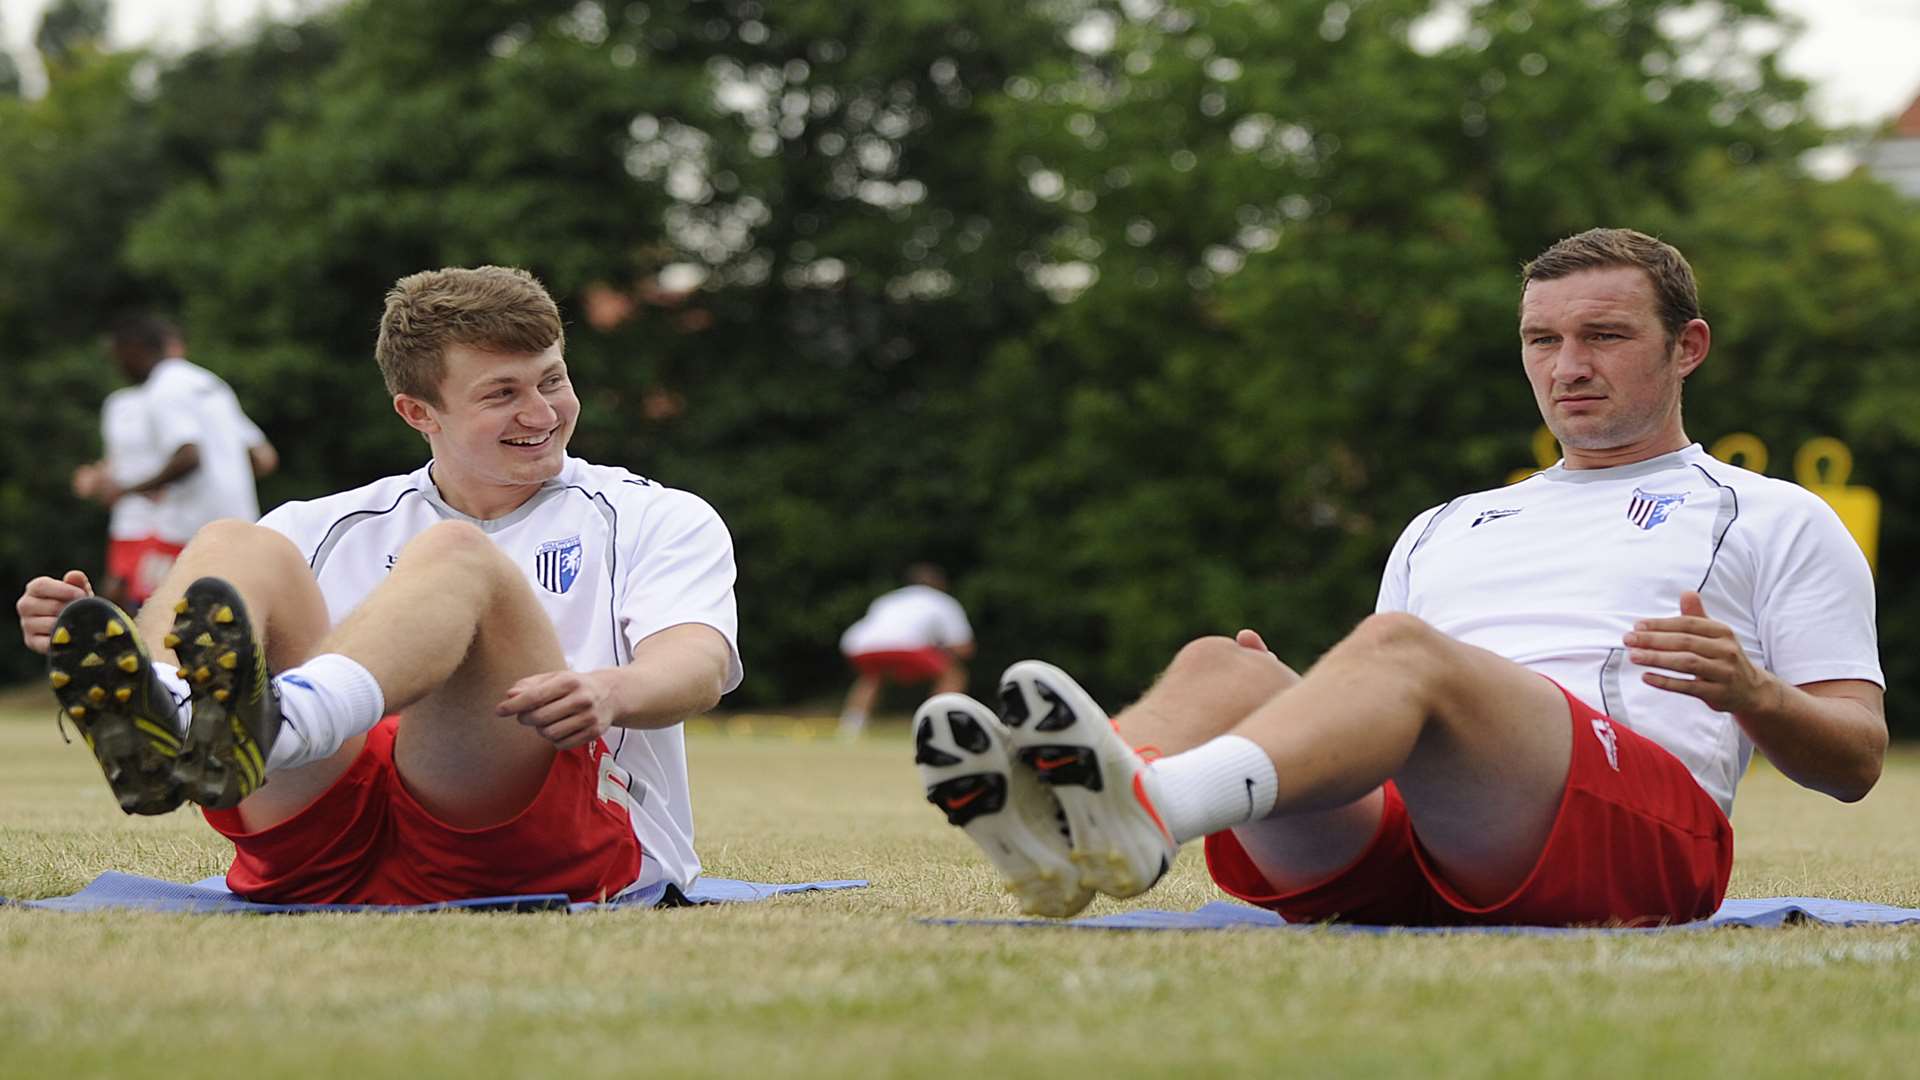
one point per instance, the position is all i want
(1400, 645)
(232, 532)
(1216, 656)
(449, 541)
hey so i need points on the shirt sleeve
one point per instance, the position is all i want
(1815, 602)
(680, 569)
(1396, 579)
(295, 521)
(250, 433)
(955, 630)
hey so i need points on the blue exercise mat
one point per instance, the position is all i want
(1227, 915)
(130, 892)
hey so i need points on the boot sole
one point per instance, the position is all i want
(1064, 738)
(222, 761)
(964, 762)
(103, 678)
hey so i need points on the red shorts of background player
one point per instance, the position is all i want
(141, 564)
(366, 840)
(904, 665)
(1635, 842)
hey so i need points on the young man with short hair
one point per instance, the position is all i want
(464, 681)
(1545, 721)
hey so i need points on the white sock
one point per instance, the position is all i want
(852, 723)
(177, 686)
(323, 703)
(1225, 782)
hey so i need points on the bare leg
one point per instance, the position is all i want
(451, 629)
(861, 697)
(1477, 745)
(1212, 686)
(951, 681)
(286, 608)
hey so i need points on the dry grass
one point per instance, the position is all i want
(850, 984)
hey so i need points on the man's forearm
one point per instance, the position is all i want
(1832, 743)
(183, 462)
(675, 674)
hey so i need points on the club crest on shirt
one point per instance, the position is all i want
(557, 564)
(1647, 509)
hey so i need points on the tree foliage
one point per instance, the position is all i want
(1147, 319)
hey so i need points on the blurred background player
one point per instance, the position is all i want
(137, 558)
(179, 452)
(916, 633)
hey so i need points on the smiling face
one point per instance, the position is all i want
(500, 429)
(1605, 372)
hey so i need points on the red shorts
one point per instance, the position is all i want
(1634, 842)
(141, 564)
(366, 840)
(904, 665)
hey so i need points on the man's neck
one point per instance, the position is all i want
(482, 502)
(1631, 454)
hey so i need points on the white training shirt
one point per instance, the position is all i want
(915, 617)
(132, 457)
(186, 403)
(1553, 571)
(613, 558)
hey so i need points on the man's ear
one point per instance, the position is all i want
(418, 414)
(1696, 338)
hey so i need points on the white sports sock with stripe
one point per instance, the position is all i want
(1221, 783)
(323, 703)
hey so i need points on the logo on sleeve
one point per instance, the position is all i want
(1493, 515)
(557, 564)
(1647, 509)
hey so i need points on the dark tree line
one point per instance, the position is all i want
(1146, 319)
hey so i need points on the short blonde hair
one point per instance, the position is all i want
(494, 308)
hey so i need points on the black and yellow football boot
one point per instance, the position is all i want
(104, 679)
(236, 711)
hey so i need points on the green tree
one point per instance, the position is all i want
(70, 29)
(10, 84)
(1301, 227)
(1148, 319)
(820, 170)
(77, 167)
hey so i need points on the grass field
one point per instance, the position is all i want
(851, 984)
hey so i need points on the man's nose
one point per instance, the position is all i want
(538, 412)
(1572, 363)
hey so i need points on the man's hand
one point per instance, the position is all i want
(567, 708)
(43, 602)
(1706, 649)
(1251, 639)
(88, 478)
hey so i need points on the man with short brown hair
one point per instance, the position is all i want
(1546, 718)
(465, 681)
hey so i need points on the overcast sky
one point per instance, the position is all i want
(1860, 55)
